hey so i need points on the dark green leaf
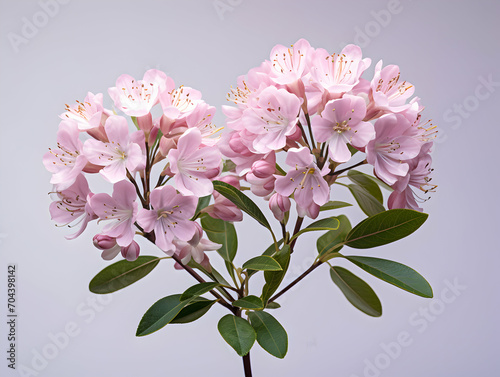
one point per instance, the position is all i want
(364, 181)
(367, 202)
(273, 305)
(269, 251)
(262, 263)
(334, 204)
(356, 291)
(196, 309)
(270, 334)
(203, 202)
(352, 149)
(249, 302)
(327, 242)
(160, 314)
(331, 223)
(224, 233)
(241, 201)
(122, 274)
(237, 332)
(198, 290)
(274, 278)
(394, 273)
(384, 228)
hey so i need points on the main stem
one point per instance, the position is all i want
(246, 365)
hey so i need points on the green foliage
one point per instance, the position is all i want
(330, 223)
(121, 274)
(271, 336)
(262, 263)
(274, 278)
(328, 242)
(198, 290)
(238, 333)
(249, 302)
(196, 309)
(334, 204)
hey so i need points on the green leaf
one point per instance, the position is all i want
(238, 333)
(384, 228)
(273, 305)
(352, 149)
(364, 181)
(367, 202)
(196, 309)
(274, 278)
(121, 274)
(269, 251)
(249, 302)
(160, 314)
(228, 166)
(334, 204)
(262, 263)
(224, 233)
(394, 273)
(327, 242)
(203, 202)
(356, 291)
(241, 201)
(331, 223)
(270, 334)
(198, 290)
(280, 170)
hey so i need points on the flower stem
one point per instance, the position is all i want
(338, 172)
(289, 286)
(246, 365)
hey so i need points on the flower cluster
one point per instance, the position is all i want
(94, 140)
(316, 107)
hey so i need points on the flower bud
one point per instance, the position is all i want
(232, 180)
(103, 242)
(263, 169)
(279, 204)
(131, 252)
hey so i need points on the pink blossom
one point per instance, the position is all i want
(88, 114)
(279, 205)
(272, 119)
(338, 73)
(392, 147)
(232, 146)
(193, 164)
(194, 248)
(73, 205)
(341, 124)
(131, 252)
(261, 175)
(169, 217)
(137, 97)
(304, 179)
(110, 249)
(177, 104)
(66, 161)
(120, 210)
(118, 155)
(223, 208)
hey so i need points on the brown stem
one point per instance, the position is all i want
(246, 365)
(338, 172)
(298, 224)
(289, 286)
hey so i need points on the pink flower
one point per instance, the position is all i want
(388, 93)
(120, 210)
(177, 104)
(88, 114)
(223, 208)
(304, 179)
(261, 176)
(110, 248)
(391, 147)
(194, 165)
(131, 252)
(72, 206)
(169, 217)
(194, 248)
(341, 124)
(231, 145)
(272, 119)
(66, 162)
(118, 155)
(201, 118)
(338, 73)
(279, 205)
(137, 97)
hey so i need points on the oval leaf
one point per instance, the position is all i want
(363, 180)
(238, 333)
(249, 302)
(193, 311)
(331, 223)
(270, 334)
(269, 251)
(384, 228)
(121, 274)
(223, 233)
(274, 278)
(328, 242)
(198, 290)
(262, 263)
(273, 305)
(394, 273)
(366, 201)
(334, 204)
(241, 201)
(160, 314)
(356, 291)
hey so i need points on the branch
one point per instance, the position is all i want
(289, 286)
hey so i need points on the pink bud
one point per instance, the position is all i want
(279, 204)
(166, 144)
(131, 252)
(103, 242)
(263, 169)
(236, 145)
(232, 180)
(145, 122)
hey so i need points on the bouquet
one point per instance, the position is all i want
(301, 123)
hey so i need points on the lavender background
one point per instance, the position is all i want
(447, 49)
